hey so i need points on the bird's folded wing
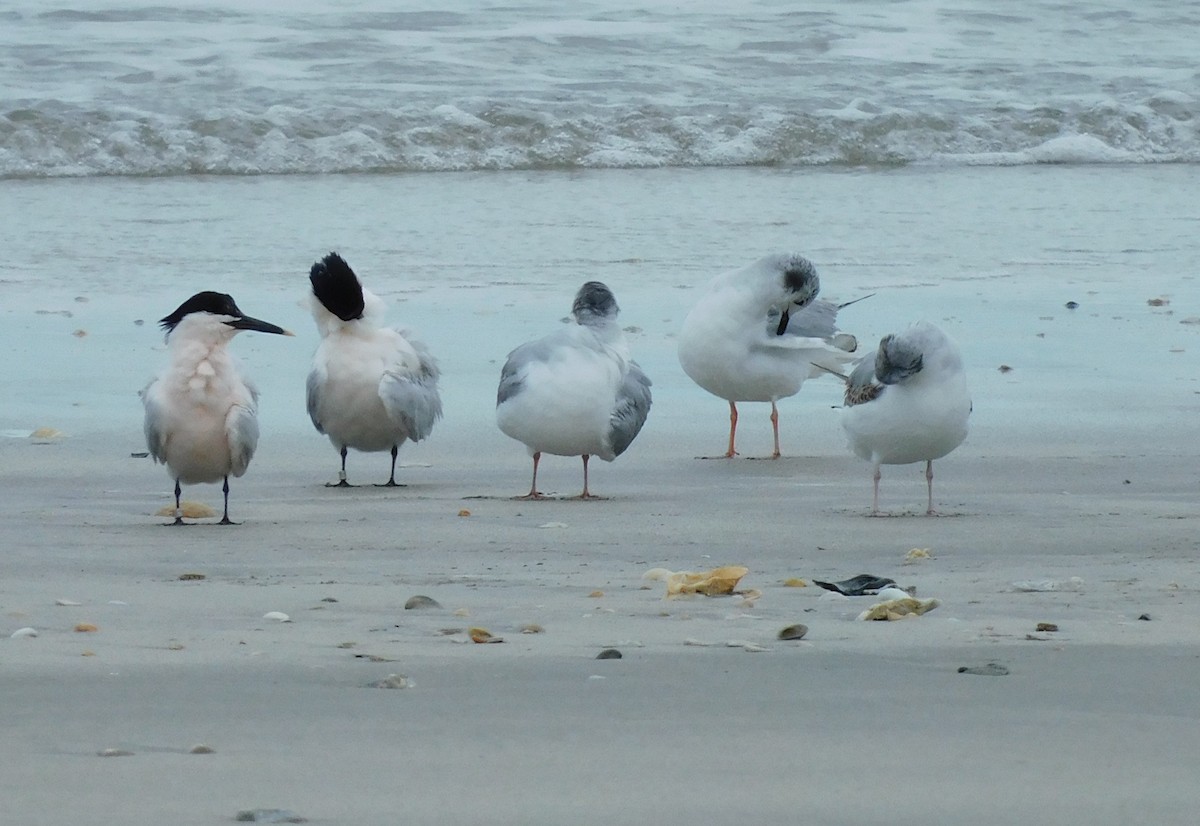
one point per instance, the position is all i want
(241, 427)
(414, 403)
(316, 381)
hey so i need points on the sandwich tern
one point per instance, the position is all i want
(201, 412)
(371, 387)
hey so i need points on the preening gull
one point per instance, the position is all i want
(201, 412)
(908, 403)
(575, 392)
(758, 332)
(371, 387)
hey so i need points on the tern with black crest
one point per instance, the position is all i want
(201, 413)
(371, 388)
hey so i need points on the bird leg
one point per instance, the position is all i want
(533, 491)
(225, 490)
(929, 483)
(875, 499)
(178, 507)
(775, 428)
(391, 482)
(729, 454)
(586, 494)
(341, 483)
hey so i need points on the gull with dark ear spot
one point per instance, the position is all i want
(201, 413)
(756, 332)
(908, 403)
(371, 388)
(575, 392)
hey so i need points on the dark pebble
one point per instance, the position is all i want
(609, 654)
(1071, 305)
(1145, 617)
(268, 816)
(989, 670)
(421, 601)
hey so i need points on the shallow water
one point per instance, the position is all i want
(479, 262)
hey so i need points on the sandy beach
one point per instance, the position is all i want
(1077, 467)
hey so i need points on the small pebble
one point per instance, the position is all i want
(277, 615)
(392, 681)
(795, 582)
(268, 816)
(1004, 368)
(200, 748)
(532, 628)
(191, 577)
(1144, 617)
(464, 512)
(114, 753)
(1072, 305)
(420, 601)
(793, 632)
(66, 602)
(328, 599)
(989, 670)
(85, 628)
(609, 654)
(1046, 626)
(596, 594)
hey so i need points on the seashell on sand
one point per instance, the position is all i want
(793, 632)
(85, 628)
(894, 609)
(24, 632)
(716, 582)
(278, 616)
(609, 654)
(114, 753)
(532, 628)
(68, 602)
(392, 681)
(795, 582)
(482, 635)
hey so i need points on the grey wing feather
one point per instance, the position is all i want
(316, 378)
(156, 442)
(241, 426)
(413, 403)
(631, 409)
(429, 366)
(511, 375)
(817, 320)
